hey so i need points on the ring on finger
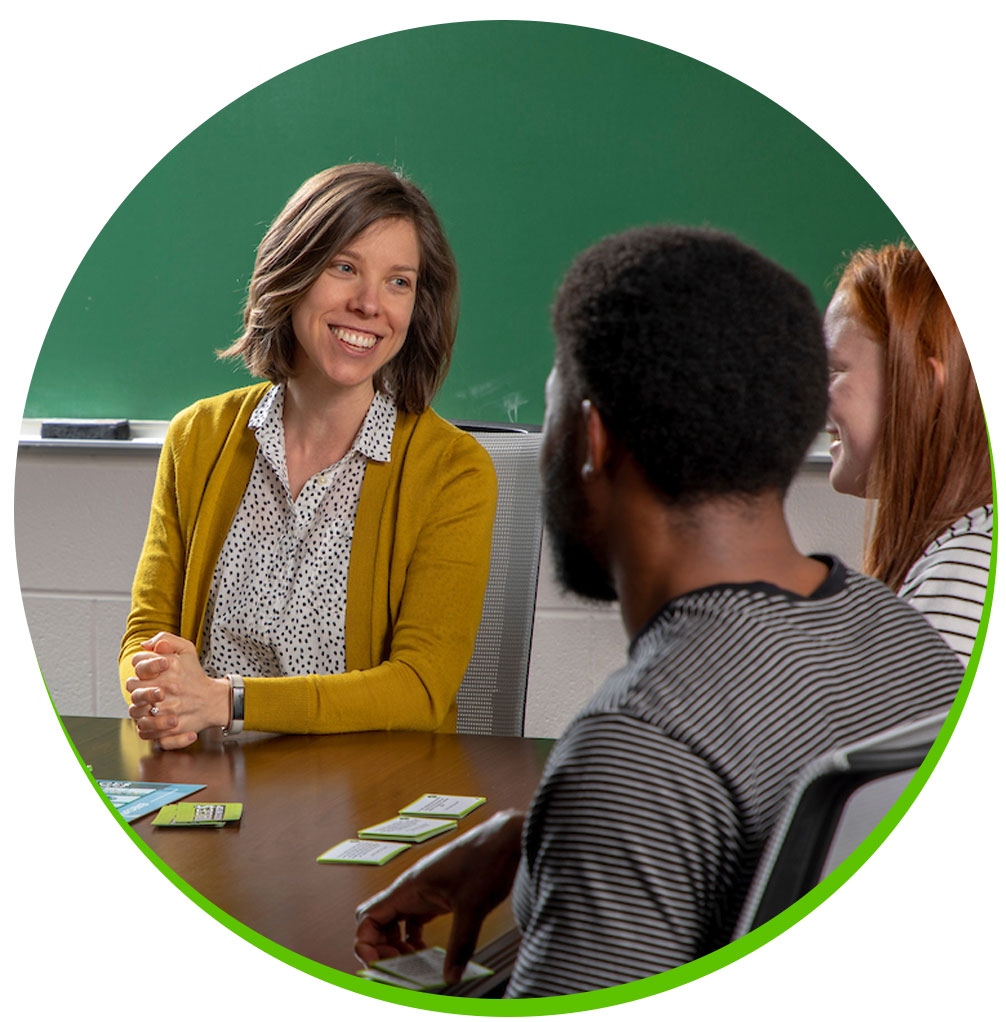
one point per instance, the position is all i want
(153, 711)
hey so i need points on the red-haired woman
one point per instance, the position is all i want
(908, 432)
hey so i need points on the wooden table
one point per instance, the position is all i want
(302, 794)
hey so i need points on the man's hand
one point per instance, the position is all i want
(469, 877)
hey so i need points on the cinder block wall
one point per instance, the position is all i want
(80, 518)
(576, 645)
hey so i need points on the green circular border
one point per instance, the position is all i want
(627, 992)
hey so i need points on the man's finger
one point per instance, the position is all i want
(376, 910)
(461, 943)
(374, 941)
(414, 934)
(405, 899)
(368, 953)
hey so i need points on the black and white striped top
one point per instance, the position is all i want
(948, 582)
(646, 829)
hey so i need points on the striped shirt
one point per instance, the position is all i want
(644, 834)
(947, 583)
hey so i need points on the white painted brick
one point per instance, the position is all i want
(823, 521)
(61, 631)
(109, 624)
(80, 518)
(572, 653)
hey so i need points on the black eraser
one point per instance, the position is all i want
(85, 429)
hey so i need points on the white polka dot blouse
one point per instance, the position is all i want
(277, 604)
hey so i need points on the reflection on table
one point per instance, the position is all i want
(302, 794)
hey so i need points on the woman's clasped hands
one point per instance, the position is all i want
(173, 698)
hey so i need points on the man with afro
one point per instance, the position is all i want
(690, 377)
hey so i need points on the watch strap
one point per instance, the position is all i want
(236, 720)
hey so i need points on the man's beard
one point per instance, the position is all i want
(577, 567)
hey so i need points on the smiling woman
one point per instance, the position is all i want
(909, 432)
(299, 530)
(349, 325)
(354, 317)
(856, 392)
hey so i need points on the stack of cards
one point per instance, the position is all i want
(451, 807)
(367, 853)
(423, 819)
(408, 828)
(423, 970)
(133, 799)
(198, 814)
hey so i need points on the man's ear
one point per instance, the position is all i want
(597, 442)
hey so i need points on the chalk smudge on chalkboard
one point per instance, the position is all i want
(478, 390)
(511, 405)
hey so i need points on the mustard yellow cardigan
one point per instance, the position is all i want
(417, 571)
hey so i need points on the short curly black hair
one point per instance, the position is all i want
(705, 360)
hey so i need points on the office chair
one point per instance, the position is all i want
(836, 800)
(492, 693)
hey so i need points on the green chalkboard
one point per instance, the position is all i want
(532, 141)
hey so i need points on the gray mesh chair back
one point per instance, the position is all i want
(492, 693)
(837, 799)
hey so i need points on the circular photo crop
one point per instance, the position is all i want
(504, 515)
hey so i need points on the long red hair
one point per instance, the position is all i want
(932, 462)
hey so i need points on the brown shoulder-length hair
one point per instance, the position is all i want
(323, 216)
(932, 462)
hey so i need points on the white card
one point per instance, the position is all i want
(408, 828)
(454, 806)
(371, 853)
(425, 969)
(387, 977)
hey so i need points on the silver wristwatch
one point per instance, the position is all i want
(236, 721)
